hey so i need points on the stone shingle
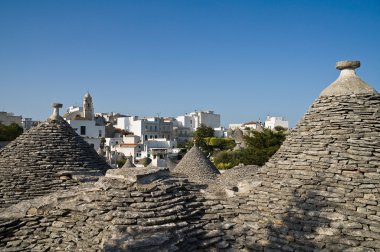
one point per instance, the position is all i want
(48, 157)
(197, 167)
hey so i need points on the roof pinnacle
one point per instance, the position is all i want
(55, 114)
(347, 64)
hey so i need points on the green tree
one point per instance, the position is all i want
(199, 136)
(227, 159)
(202, 132)
(261, 146)
(265, 139)
(220, 144)
(279, 128)
(10, 132)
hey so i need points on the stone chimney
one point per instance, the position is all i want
(348, 82)
(55, 115)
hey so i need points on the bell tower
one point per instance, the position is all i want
(88, 107)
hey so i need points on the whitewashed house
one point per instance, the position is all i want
(82, 120)
(272, 121)
(147, 128)
(194, 119)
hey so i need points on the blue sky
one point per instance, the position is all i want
(242, 59)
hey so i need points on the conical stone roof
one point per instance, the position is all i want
(321, 189)
(197, 167)
(48, 157)
(170, 163)
(238, 135)
(127, 210)
(128, 163)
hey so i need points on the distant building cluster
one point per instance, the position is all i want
(7, 119)
(156, 138)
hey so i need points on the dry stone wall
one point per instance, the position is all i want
(128, 210)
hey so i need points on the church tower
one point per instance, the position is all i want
(88, 107)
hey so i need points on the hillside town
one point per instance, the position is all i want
(118, 137)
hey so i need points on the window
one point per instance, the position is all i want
(146, 137)
(155, 128)
(155, 136)
(100, 133)
(83, 130)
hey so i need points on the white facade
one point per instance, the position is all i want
(220, 132)
(131, 146)
(250, 125)
(111, 142)
(86, 128)
(27, 123)
(133, 150)
(234, 126)
(182, 134)
(82, 120)
(131, 139)
(160, 143)
(207, 118)
(147, 128)
(272, 121)
(186, 121)
(194, 119)
(158, 150)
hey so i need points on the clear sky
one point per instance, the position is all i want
(242, 59)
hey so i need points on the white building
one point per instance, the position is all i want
(9, 118)
(130, 146)
(194, 119)
(234, 126)
(28, 123)
(111, 142)
(82, 120)
(187, 124)
(272, 121)
(250, 125)
(220, 132)
(147, 128)
(182, 134)
(156, 149)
